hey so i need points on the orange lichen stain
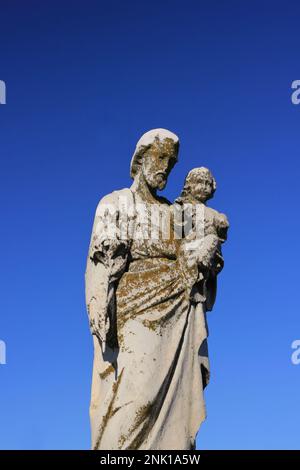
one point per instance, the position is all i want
(107, 371)
(110, 411)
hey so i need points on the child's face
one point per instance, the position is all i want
(203, 188)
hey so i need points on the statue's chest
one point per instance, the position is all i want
(154, 231)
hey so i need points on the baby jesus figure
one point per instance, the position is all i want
(204, 228)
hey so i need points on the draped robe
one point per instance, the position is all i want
(150, 362)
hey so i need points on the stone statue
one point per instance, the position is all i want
(150, 278)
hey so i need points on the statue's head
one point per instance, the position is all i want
(200, 184)
(154, 157)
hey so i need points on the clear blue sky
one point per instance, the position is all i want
(84, 80)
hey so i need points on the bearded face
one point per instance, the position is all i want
(157, 163)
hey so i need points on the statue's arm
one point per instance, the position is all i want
(107, 260)
(217, 264)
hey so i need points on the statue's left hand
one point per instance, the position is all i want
(98, 320)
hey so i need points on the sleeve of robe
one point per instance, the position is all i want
(107, 260)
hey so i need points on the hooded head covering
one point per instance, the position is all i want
(145, 142)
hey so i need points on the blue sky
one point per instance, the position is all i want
(84, 80)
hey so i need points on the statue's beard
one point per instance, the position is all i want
(157, 181)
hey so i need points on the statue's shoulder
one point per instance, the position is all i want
(115, 195)
(218, 217)
(115, 198)
(211, 212)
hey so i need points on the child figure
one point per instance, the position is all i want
(205, 229)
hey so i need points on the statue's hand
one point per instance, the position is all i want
(189, 252)
(98, 320)
(199, 253)
(206, 251)
(187, 259)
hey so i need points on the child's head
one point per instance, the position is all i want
(200, 184)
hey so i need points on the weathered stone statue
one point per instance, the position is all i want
(150, 278)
